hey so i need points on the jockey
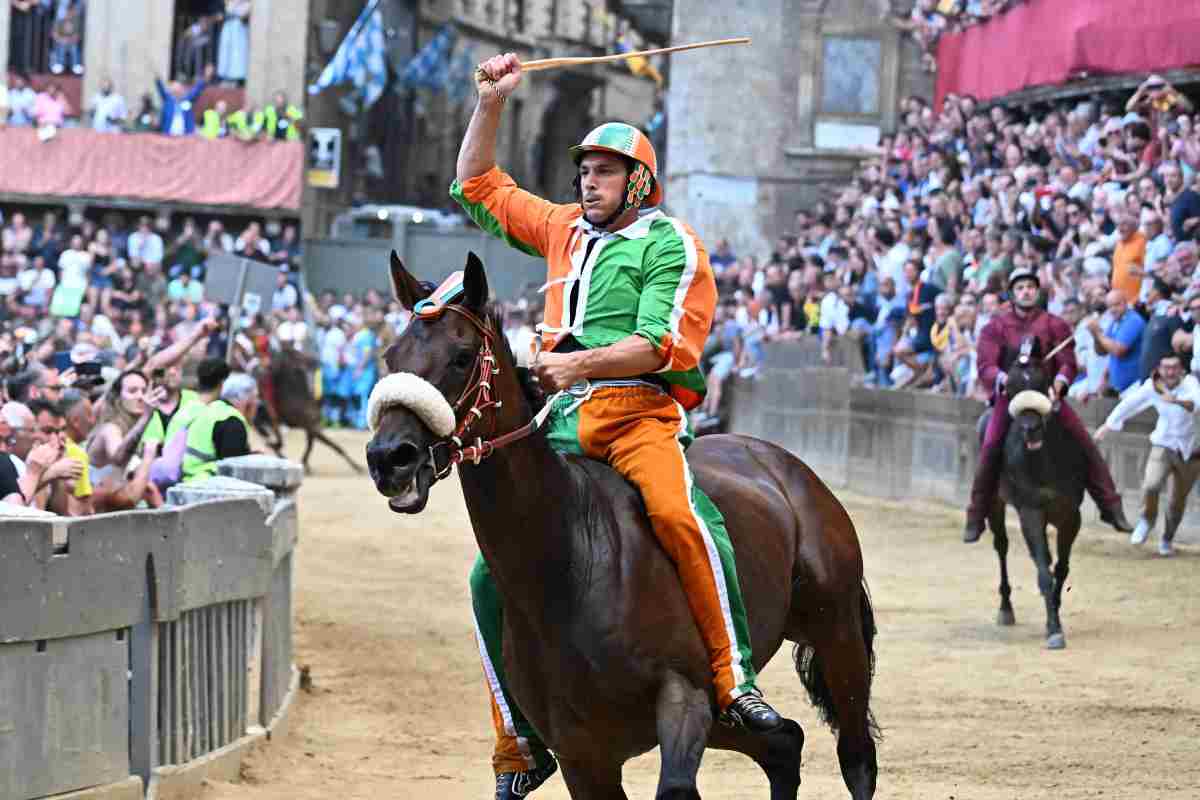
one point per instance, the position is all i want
(999, 344)
(630, 299)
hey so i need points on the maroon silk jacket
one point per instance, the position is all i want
(1000, 342)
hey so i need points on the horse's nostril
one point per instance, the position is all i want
(404, 456)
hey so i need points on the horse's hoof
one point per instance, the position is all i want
(1006, 617)
(1056, 641)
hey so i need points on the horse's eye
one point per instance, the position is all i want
(463, 360)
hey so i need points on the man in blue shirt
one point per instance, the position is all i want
(1120, 339)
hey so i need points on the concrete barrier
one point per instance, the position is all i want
(137, 649)
(901, 444)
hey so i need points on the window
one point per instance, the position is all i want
(850, 76)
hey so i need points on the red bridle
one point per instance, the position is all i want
(477, 397)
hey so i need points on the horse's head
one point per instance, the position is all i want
(1028, 402)
(433, 388)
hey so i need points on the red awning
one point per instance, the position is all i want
(79, 162)
(1045, 42)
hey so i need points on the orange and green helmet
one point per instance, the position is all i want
(626, 140)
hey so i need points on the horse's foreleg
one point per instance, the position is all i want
(1062, 567)
(1000, 541)
(308, 446)
(778, 753)
(1033, 527)
(590, 781)
(684, 720)
(320, 436)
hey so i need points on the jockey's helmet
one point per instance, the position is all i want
(626, 140)
(1023, 273)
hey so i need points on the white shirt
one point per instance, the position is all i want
(290, 332)
(1176, 428)
(284, 297)
(73, 266)
(148, 247)
(331, 346)
(835, 314)
(108, 109)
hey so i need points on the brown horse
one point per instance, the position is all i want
(600, 648)
(296, 407)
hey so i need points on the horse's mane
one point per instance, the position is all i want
(493, 317)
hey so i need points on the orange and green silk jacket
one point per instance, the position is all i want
(651, 278)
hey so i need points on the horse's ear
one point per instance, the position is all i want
(475, 287)
(407, 289)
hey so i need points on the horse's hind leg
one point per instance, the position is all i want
(778, 753)
(589, 781)
(843, 665)
(1000, 541)
(320, 436)
(684, 720)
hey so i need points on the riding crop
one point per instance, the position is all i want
(575, 61)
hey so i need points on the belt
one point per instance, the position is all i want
(582, 388)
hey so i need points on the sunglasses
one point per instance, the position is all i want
(51, 431)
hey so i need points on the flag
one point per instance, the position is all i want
(460, 77)
(361, 59)
(639, 65)
(429, 67)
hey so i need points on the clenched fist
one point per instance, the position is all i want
(498, 77)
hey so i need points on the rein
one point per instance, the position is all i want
(478, 394)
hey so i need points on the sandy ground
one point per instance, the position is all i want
(970, 710)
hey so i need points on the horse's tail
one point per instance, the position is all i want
(812, 671)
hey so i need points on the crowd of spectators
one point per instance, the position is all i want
(910, 260)
(929, 19)
(214, 38)
(102, 327)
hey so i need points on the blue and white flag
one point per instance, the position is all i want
(361, 59)
(429, 67)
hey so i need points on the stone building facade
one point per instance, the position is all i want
(551, 111)
(758, 132)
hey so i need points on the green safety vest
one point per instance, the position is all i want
(184, 414)
(271, 118)
(200, 458)
(211, 128)
(243, 126)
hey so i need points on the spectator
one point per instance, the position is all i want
(214, 124)
(1120, 339)
(66, 35)
(220, 430)
(182, 289)
(10, 486)
(108, 109)
(285, 296)
(21, 101)
(233, 47)
(129, 406)
(251, 244)
(50, 110)
(282, 120)
(36, 288)
(79, 419)
(145, 246)
(178, 107)
(66, 490)
(285, 250)
(147, 119)
(1129, 256)
(1175, 395)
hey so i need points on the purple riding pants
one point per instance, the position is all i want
(991, 460)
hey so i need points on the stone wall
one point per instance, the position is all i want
(901, 444)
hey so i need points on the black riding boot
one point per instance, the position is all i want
(511, 785)
(751, 712)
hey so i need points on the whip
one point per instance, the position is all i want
(575, 61)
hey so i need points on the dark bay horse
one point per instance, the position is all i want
(1043, 479)
(600, 647)
(297, 407)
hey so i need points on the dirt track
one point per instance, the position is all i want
(971, 711)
